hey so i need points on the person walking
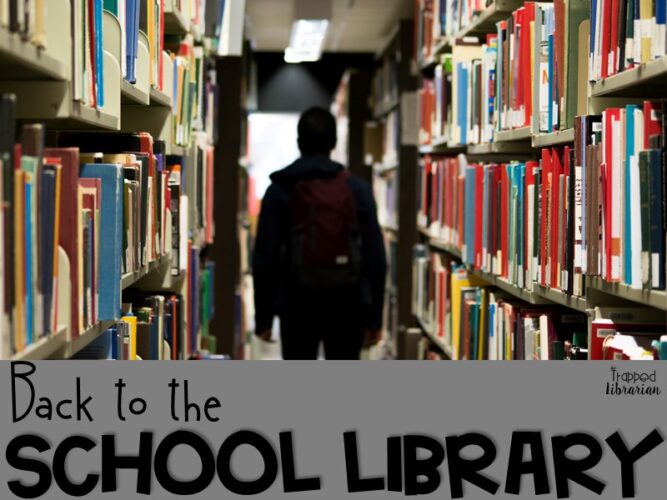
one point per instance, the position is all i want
(319, 262)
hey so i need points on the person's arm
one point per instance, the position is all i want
(266, 260)
(373, 255)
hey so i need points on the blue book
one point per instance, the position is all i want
(132, 14)
(99, 50)
(111, 236)
(463, 102)
(627, 195)
(29, 291)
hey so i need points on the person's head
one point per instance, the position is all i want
(317, 132)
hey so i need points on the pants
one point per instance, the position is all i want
(339, 326)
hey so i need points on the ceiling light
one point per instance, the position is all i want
(306, 40)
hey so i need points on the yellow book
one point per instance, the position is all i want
(132, 322)
(460, 279)
(19, 278)
(646, 24)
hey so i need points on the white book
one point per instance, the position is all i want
(636, 228)
(544, 337)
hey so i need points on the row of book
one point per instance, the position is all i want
(625, 34)
(386, 83)
(480, 322)
(532, 72)
(159, 326)
(595, 209)
(103, 205)
(24, 18)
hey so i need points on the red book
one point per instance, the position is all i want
(504, 212)
(93, 202)
(652, 125)
(544, 211)
(495, 244)
(606, 38)
(479, 215)
(93, 70)
(69, 236)
(529, 17)
(433, 209)
(426, 169)
(613, 39)
(609, 116)
(556, 171)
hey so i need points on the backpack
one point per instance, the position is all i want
(325, 240)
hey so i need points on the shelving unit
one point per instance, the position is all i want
(44, 348)
(42, 81)
(440, 343)
(517, 134)
(553, 138)
(646, 80)
(653, 298)
(23, 61)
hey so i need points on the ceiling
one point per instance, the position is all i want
(356, 25)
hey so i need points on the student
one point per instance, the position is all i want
(319, 261)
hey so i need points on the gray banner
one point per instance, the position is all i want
(449, 404)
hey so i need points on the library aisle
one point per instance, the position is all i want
(516, 154)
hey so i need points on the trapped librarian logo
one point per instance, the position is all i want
(125, 431)
(633, 383)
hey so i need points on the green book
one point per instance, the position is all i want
(111, 6)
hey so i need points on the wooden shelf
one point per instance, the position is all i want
(553, 138)
(44, 348)
(517, 134)
(21, 60)
(130, 94)
(562, 298)
(130, 279)
(646, 80)
(159, 98)
(652, 298)
(442, 345)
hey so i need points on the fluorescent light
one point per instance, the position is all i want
(306, 40)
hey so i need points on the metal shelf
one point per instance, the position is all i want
(174, 21)
(646, 80)
(130, 279)
(159, 98)
(652, 298)
(387, 107)
(485, 21)
(562, 298)
(517, 134)
(44, 347)
(442, 345)
(502, 148)
(21, 60)
(553, 138)
(131, 94)
(87, 337)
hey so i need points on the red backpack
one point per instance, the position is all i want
(325, 241)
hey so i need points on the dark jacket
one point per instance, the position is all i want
(269, 268)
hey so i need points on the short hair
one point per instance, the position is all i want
(317, 131)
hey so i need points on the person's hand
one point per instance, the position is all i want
(266, 336)
(372, 336)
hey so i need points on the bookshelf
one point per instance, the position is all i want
(394, 151)
(42, 80)
(439, 342)
(569, 288)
